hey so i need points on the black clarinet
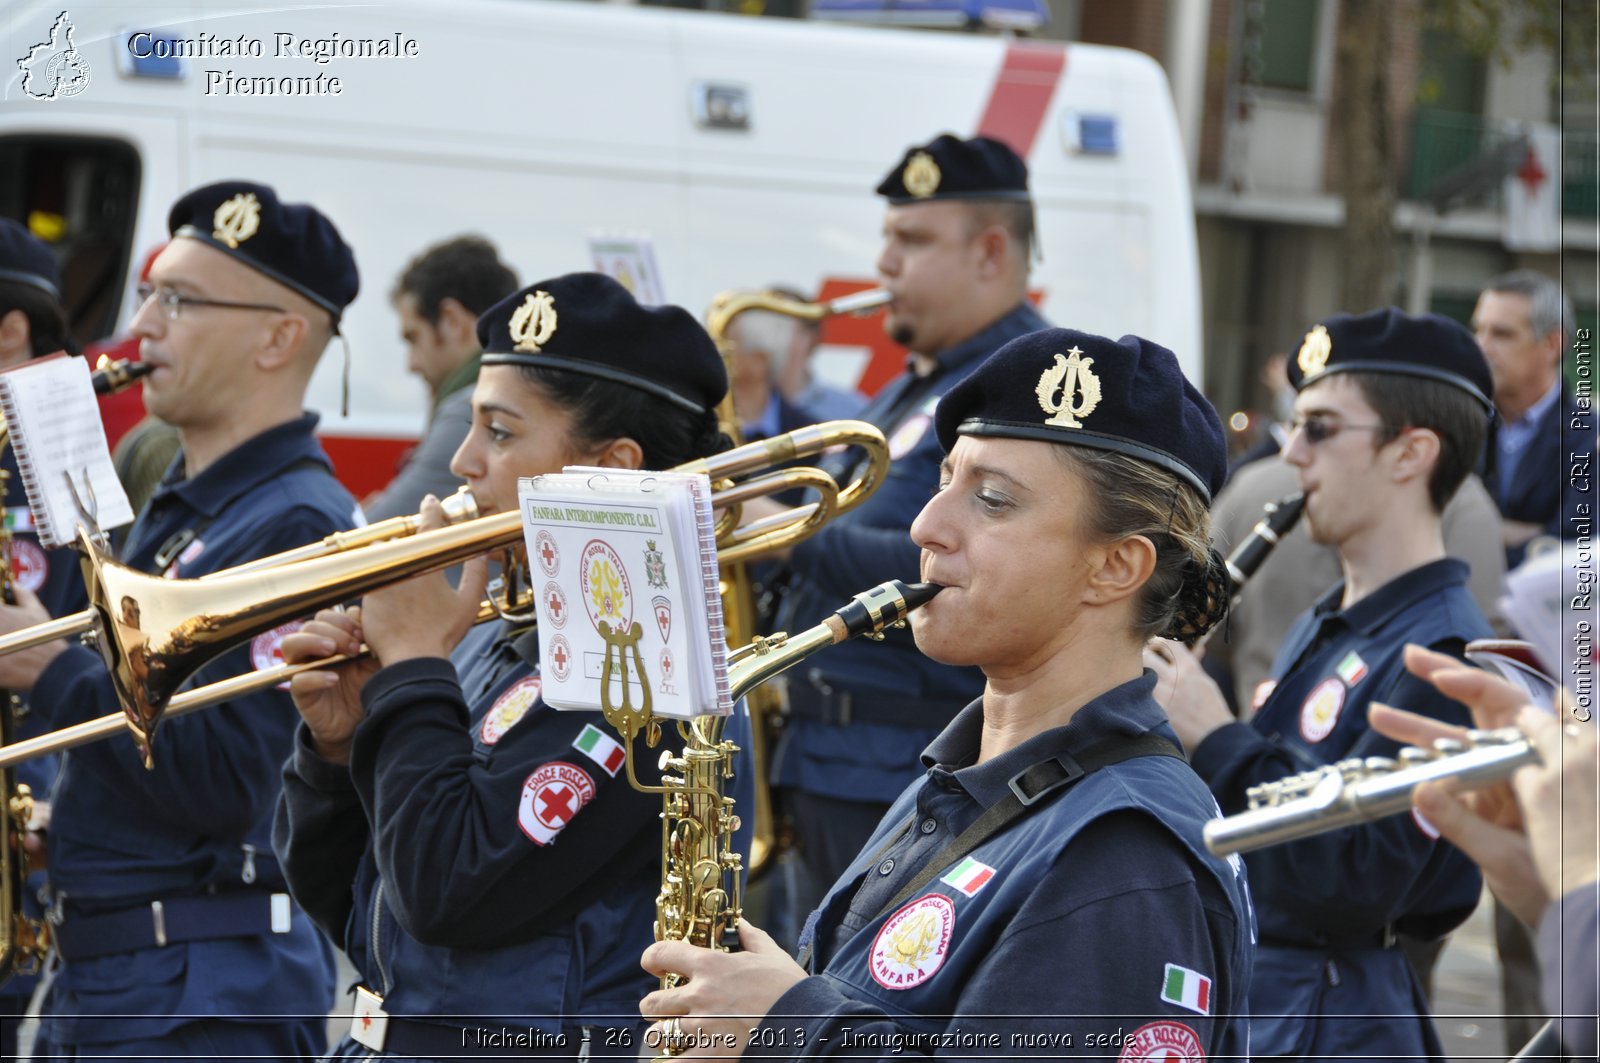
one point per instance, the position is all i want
(1276, 520)
(112, 376)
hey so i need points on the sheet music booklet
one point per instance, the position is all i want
(635, 551)
(54, 419)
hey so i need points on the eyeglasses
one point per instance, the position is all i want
(1320, 429)
(172, 303)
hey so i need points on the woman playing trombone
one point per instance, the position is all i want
(1044, 887)
(472, 849)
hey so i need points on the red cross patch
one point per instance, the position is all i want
(551, 797)
(560, 658)
(544, 548)
(555, 604)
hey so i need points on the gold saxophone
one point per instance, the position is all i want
(700, 900)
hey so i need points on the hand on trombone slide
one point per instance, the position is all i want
(419, 617)
(1534, 835)
(19, 671)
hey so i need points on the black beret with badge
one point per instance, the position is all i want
(293, 243)
(1063, 386)
(588, 323)
(1425, 346)
(948, 167)
(24, 259)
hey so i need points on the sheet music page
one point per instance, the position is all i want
(54, 419)
(620, 548)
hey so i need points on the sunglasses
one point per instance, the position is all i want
(1320, 429)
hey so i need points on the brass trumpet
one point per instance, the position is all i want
(154, 633)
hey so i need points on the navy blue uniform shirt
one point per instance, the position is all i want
(1095, 925)
(1324, 903)
(199, 823)
(482, 857)
(868, 761)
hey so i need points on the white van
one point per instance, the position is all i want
(745, 149)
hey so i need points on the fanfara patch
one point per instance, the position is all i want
(29, 565)
(1352, 669)
(1162, 1041)
(551, 796)
(922, 175)
(908, 435)
(655, 566)
(237, 220)
(1314, 351)
(534, 322)
(509, 707)
(555, 604)
(266, 650)
(544, 548)
(1078, 385)
(1320, 712)
(560, 658)
(603, 582)
(913, 942)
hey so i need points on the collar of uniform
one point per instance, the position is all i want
(1378, 608)
(1128, 710)
(1018, 322)
(247, 465)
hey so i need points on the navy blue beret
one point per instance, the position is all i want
(25, 260)
(1388, 341)
(588, 323)
(948, 167)
(293, 243)
(1070, 387)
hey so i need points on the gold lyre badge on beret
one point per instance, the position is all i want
(1078, 385)
(922, 175)
(1314, 352)
(237, 220)
(534, 322)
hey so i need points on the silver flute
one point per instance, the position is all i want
(1361, 790)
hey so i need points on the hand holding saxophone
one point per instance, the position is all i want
(726, 992)
(1532, 835)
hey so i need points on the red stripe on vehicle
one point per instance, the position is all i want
(1021, 94)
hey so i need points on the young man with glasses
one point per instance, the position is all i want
(1390, 418)
(175, 933)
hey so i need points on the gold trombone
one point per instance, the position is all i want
(154, 633)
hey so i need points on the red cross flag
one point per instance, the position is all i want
(1533, 193)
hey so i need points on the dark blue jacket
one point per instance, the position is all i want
(1095, 924)
(869, 761)
(474, 858)
(1326, 903)
(1554, 482)
(199, 823)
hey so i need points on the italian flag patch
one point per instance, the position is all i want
(600, 748)
(969, 876)
(1187, 989)
(1352, 668)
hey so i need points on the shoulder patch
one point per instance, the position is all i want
(912, 943)
(266, 649)
(1165, 1041)
(600, 748)
(29, 565)
(905, 438)
(551, 797)
(1187, 989)
(1319, 714)
(969, 876)
(1352, 669)
(512, 705)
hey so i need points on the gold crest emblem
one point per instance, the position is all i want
(534, 322)
(237, 220)
(922, 175)
(1078, 385)
(1314, 352)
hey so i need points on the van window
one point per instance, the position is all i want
(78, 195)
